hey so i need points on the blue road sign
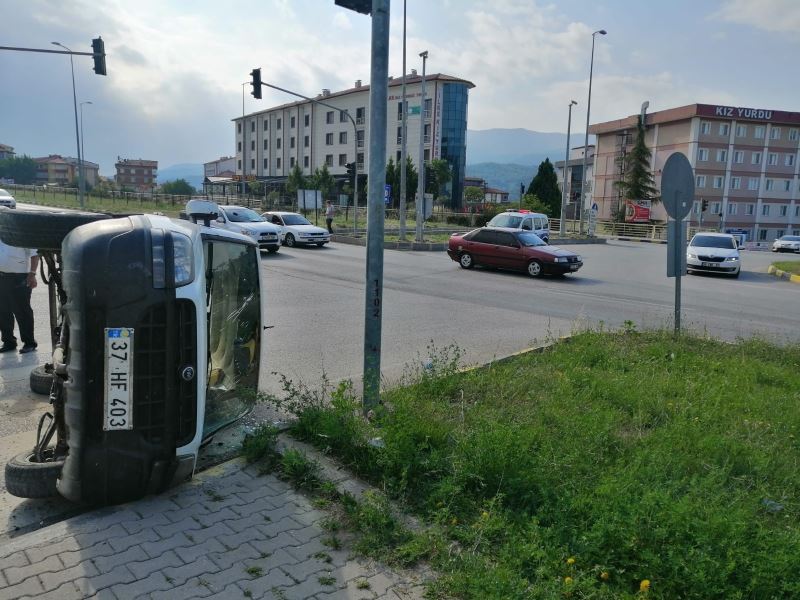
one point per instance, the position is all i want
(387, 194)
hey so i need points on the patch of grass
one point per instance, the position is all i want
(332, 542)
(790, 266)
(330, 524)
(247, 593)
(327, 580)
(323, 556)
(214, 496)
(644, 457)
(254, 571)
(300, 470)
(259, 446)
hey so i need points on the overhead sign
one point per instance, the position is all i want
(677, 186)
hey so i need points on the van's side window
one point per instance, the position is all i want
(526, 224)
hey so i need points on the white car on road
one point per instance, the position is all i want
(7, 199)
(247, 221)
(787, 243)
(713, 253)
(296, 229)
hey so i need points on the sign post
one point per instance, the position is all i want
(677, 194)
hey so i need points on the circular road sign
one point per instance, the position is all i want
(677, 186)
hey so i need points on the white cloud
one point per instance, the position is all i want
(342, 21)
(768, 15)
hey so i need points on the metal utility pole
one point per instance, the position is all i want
(421, 178)
(81, 183)
(83, 150)
(404, 131)
(244, 140)
(562, 222)
(586, 136)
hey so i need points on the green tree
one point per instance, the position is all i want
(21, 169)
(179, 187)
(637, 182)
(323, 181)
(295, 181)
(544, 186)
(534, 204)
(473, 195)
(412, 180)
(437, 174)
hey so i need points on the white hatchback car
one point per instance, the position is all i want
(296, 229)
(713, 253)
(7, 199)
(247, 221)
(787, 243)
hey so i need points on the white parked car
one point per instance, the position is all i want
(713, 253)
(7, 199)
(247, 221)
(787, 243)
(296, 229)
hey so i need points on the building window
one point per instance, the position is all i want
(750, 210)
(291, 162)
(700, 181)
(329, 117)
(399, 156)
(789, 160)
(718, 182)
(783, 210)
(772, 159)
(702, 154)
(342, 137)
(705, 127)
(775, 133)
(291, 123)
(360, 138)
(252, 164)
(755, 158)
(278, 143)
(780, 233)
(769, 185)
(787, 185)
(724, 128)
(252, 146)
(741, 131)
(722, 155)
(736, 183)
(360, 161)
(329, 139)
(752, 183)
(278, 123)
(252, 126)
(399, 111)
(305, 162)
(427, 134)
(426, 156)
(715, 208)
(305, 141)
(696, 207)
(240, 164)
(797, 211)
(343, 118)
(277, 163)
(732, 208)
(765, 210)
(306, 121)
(738, 156)
(266, 144)
(266, 164)
(342, 160)
(428, 107)
(266, 125)
(291, 142)
(360, 116)
(759, 132)
(399, 135)
(794, 134)
(329, 160)
(238, 128)
(762, 235)
(239, 146)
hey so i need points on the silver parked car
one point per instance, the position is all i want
(7, 199)
(787, 243)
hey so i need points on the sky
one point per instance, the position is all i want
(175, 68)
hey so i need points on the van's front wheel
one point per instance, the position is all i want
(26, 478)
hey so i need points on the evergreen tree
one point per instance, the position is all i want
(544, 186)
(412, 180)
(323, 181)
(637, 182)
(295, 181)
(22, 169)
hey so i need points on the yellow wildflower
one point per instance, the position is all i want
(454, 521)
(567, 580)
(604, 575)
(484, 515)
(570, 561)
(644, 586)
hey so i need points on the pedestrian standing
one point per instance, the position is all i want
(330, 211)
(17, 280)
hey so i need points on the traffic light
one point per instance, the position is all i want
(704, 205)
(99, 51)
(351, 169)
(256, 83)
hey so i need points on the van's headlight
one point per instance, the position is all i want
(692, 256)
(731, 258)
(250, 232)
(182, 259)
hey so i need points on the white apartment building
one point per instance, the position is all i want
(221, 165)
(269, 143)
(574, 171)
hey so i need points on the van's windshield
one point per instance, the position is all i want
(512, 221)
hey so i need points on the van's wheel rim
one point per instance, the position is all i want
(534, 269)
(289, 240)
(466, 261)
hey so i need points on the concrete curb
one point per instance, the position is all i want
(783, 274)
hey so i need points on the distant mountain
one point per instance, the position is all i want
(504, 176)
(192, 173)
(517, 146)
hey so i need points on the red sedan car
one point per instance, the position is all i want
(511, 249)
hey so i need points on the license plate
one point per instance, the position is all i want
(118, 403)
(574, 267)
(710, 264)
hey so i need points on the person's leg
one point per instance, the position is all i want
(6, 314)
(330, 225)
(21, 306)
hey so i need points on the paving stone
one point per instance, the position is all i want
(198, 568)
(311, 586)
(74, 557)
(234, 540)
(261, 587)
(167, 531)
(196, 509)
(277, 525)
(306, 534)
(151, 565)
(214, 532)
(196, 550)
(193, 588)
(312, 547)
(29, 587)
(15, 575)
(122, 544)
(19, 559)
(228, 558)
(308, 516)
(93, 585)
(151, 522)
(222, 514)
(86, 540)
(281, 541)
(158, 547)
(52, 580)
(222, 579)
(141, 587)
(301, 571)
(231, 591)
(66, 591)
(239, 523)
(154, 505)
(105, 564)
(38, 553)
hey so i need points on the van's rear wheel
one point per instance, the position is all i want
(41, 229)
(26, 478)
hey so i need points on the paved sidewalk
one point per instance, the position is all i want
(229, 533)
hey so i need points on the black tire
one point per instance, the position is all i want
(289, 240)
(320, 245)
(272, 250)
(534, 268)
(41, 229)
(28, 479)
(41, 381)
(466, 261)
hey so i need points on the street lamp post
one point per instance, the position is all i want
(77, 134)
(586, 137)
(83, 140)
(244, 142)
(402, 204)
(421, 178)
(562, 222)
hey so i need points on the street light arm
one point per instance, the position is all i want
(284, 90)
